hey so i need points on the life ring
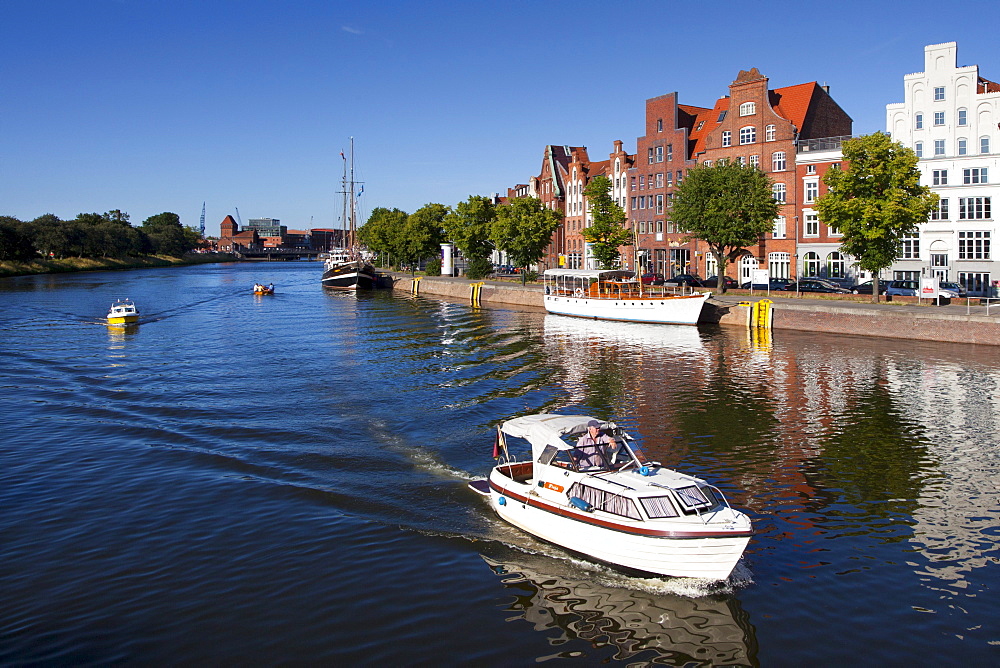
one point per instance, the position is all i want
(579, 292)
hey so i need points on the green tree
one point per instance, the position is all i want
(728, 206)
(607, 231)
(523, 229)
(167, 235)
(469, 226)
(52, 236)
(875, 202)
(15, 240)
(384, 233)
(423, 234)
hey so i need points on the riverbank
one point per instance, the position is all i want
(64, 265)
(962, 321)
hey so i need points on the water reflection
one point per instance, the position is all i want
(663, 628)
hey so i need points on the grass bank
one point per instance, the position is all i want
(54, 266)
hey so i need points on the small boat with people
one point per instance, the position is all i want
(615, 294)
(261, 289)
(123, 312)
(585, 486)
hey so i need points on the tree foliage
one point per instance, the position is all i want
(607, 231)
(728, 206)
(875, 202)
(469, 226)
(167, 236)
(523, 229)
(15, 240)
(383, 233)
(423, 233)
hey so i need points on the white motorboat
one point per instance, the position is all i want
(123, 312)
(613, 506)
(614, 294)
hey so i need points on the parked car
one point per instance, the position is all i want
(690, 280)
(867, 287)
(652, 279)
(713, 281)
(957, 288)
(816, 285)
(912, 289)
(775, 284)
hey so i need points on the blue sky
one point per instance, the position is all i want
(159, 105)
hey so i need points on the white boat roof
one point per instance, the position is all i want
(588, 273)
(547, 428)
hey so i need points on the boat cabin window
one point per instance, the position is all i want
(658, 506)
(555, 457)
(547, 454)
(695, 499)
(590, 458)
(609, 502)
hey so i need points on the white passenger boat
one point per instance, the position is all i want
(614, 294)
(615, 507)
(123, 312)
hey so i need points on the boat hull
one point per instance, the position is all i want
(669, 310)
(349, 276)
(123, 320)
(688, 549)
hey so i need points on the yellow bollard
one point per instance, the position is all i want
(761, 314)
(477, 292)
(415, 289)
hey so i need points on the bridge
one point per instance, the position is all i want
(275, 254)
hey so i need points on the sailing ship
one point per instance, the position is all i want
(347, 268)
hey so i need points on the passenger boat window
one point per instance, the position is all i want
(547, 454)
(658, 506)
(590, 458)
(606, 501)
(693, 498)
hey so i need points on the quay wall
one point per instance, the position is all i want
(898, 321)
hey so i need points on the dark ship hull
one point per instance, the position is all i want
(352, 275)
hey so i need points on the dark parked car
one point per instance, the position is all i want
(776, 284)
(866, 288)
(690, 280)
(816, 285)
(652, 279)
(957, 288)
(713, 281)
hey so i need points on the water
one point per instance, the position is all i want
(282, 479)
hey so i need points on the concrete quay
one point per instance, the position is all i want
(962, 321)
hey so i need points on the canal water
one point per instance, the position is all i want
(282, 479)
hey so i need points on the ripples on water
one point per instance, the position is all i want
(276, 479)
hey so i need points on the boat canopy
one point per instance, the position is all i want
(548, 429)
(599, 274)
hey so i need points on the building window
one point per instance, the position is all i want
(659, 125)
(812, 225)
(659, 180)
(963, 147)
(919, 149)
(939, 177)
(778, 190)
(769, 132)
(778, 161)
(742, 161)
(642, 182)
(633, 183)
(941, 212)
(634, 206)
(963, 117)
(909, 248)
(701, 124)
(810, 264)
(642, 227)
(779, 228)
(755, 161)
(810, 169)
(973, 208)
(642, 204)
(919, 122)
(680, 176)
(938, 147)
(659, 205)
(974, 175)
(659, 223)
(938, 118)
(974, 283)
(727, 137)
(973, 245)
(779, 264)
(670, 179)
(984, 144)
(812, 190)
(835, 265)
(670, 152)
(748, 109)
(650, 156)
(748, 135)
(939, 92)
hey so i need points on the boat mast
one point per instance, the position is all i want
(343, 192)
(353, 211)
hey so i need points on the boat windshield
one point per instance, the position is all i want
(590, 458)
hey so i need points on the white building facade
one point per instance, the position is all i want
(950, 117)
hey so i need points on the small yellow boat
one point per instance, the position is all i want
(263, 289)
(123, 312)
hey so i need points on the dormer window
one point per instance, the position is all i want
(748, 109)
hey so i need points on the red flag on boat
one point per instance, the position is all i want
(496, 446)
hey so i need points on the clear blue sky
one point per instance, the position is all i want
(158, 105)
